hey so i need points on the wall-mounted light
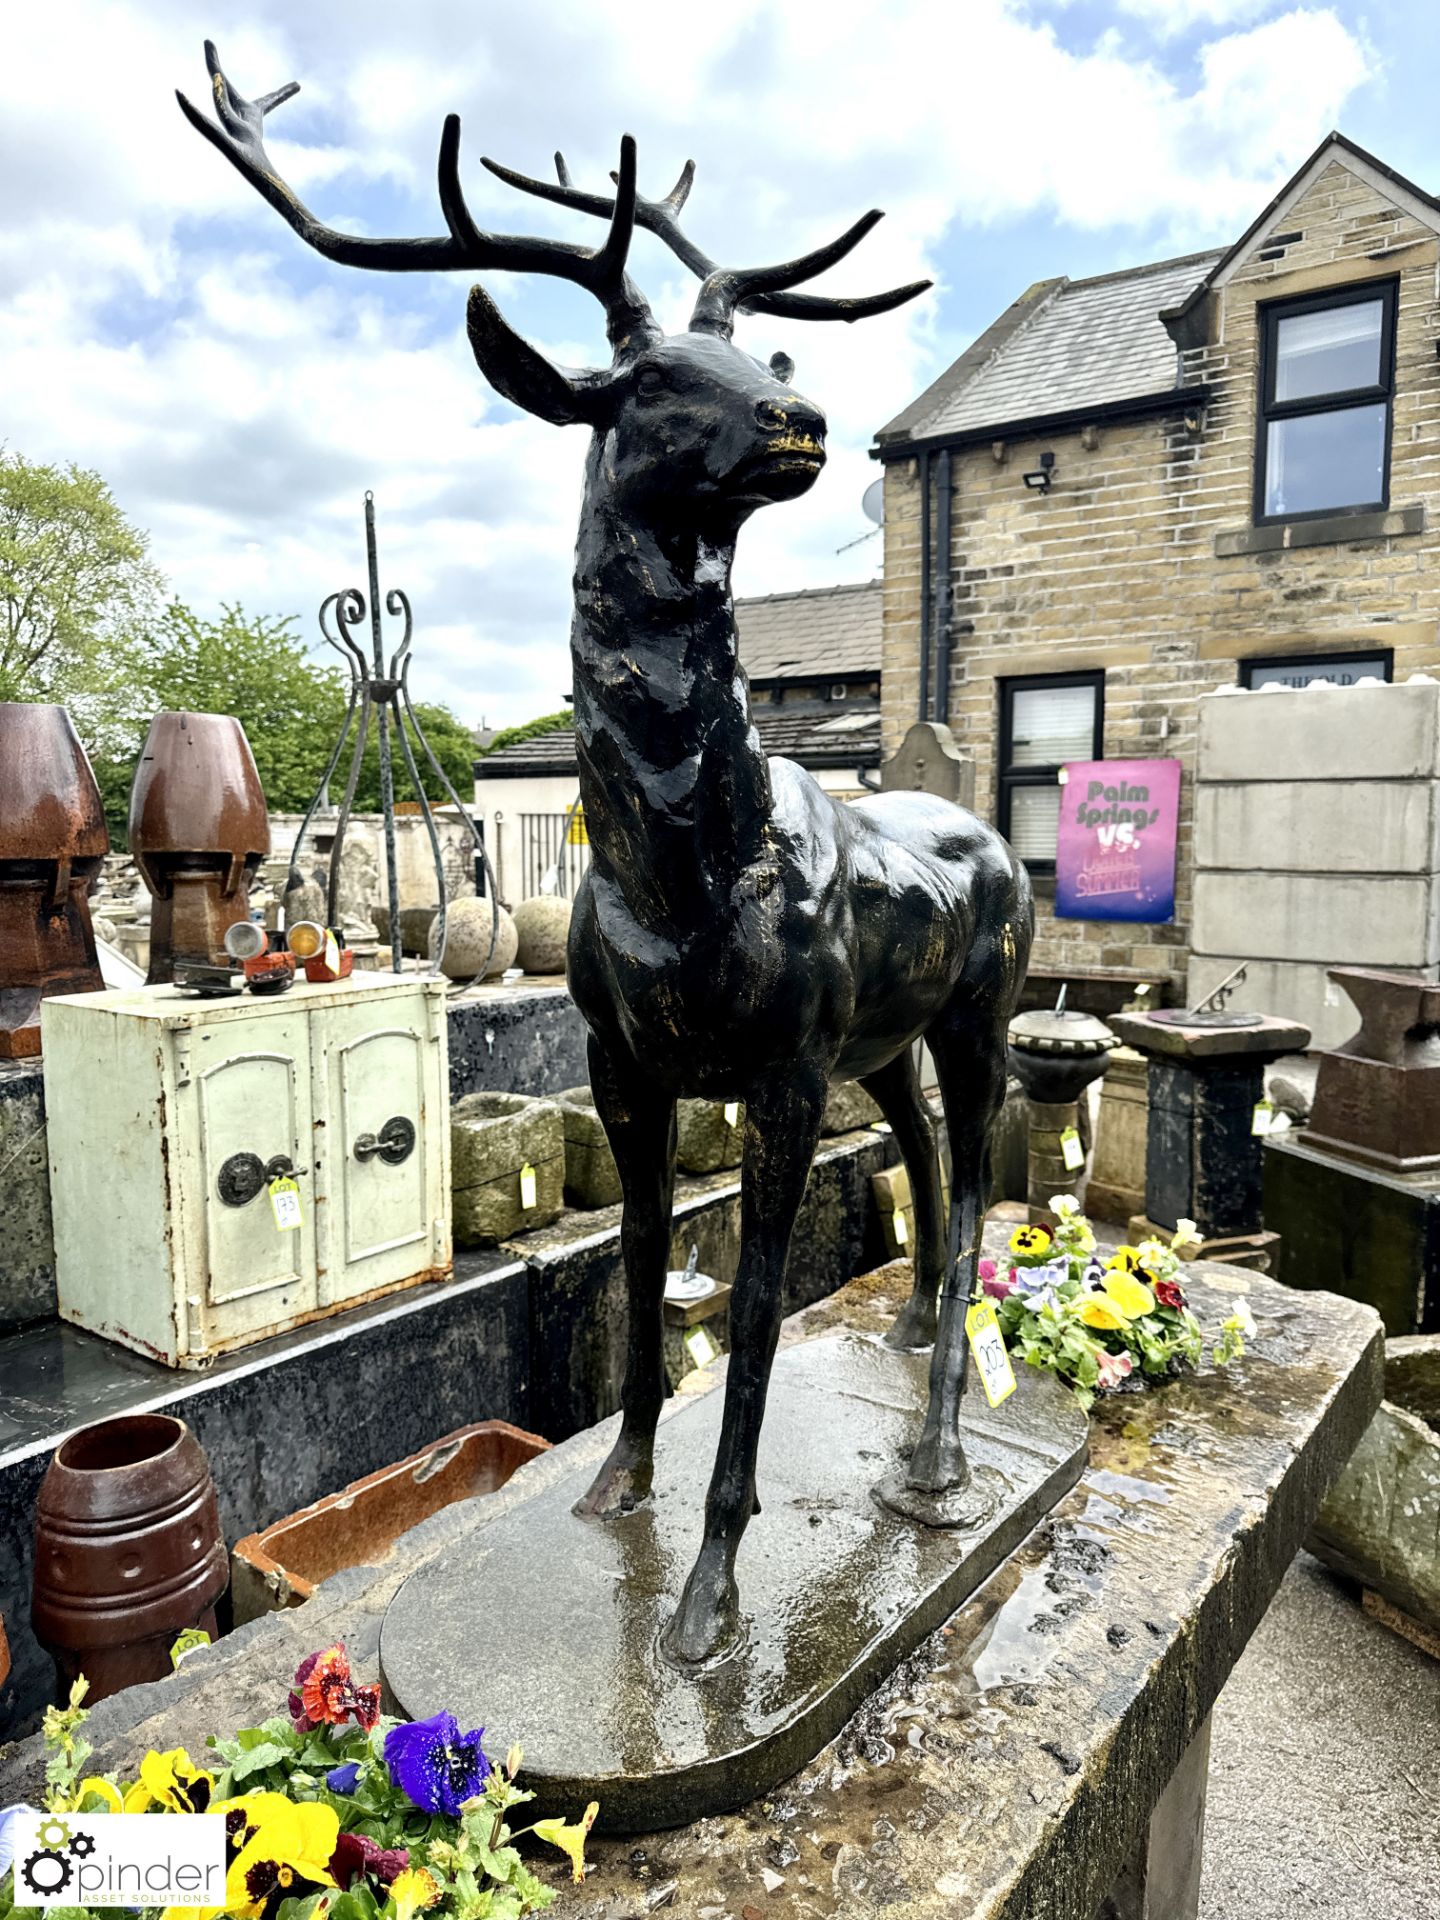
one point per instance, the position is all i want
(1194, 419)
(1039, 478)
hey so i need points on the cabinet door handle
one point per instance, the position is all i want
(394, 1143)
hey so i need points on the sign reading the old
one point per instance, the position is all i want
(1115, 853)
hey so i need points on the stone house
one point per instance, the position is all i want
(1139, 488)
(812, 659)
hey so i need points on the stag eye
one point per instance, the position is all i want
(649, 380)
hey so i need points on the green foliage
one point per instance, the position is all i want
(77, 593)
(292, 707)
(532, 729)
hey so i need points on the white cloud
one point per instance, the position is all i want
(157, 320)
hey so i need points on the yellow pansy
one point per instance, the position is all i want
(101, 1789)
(1129, 1293)
(169, 1780)
(1099, 1310)
(569, 1839)
(412, 1889)
(279, 1847)
(1125, 1260)
(1031, 1240)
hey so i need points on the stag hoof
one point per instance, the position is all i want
(938, 1464)
(622, 1485)
(706, 1624)
(914, 1326)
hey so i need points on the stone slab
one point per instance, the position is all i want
(523, 1036)
(1297, 826)
(27, 1244)
(1010, 1766)
(1389, 920)
(836, 1590)
(1353, 733)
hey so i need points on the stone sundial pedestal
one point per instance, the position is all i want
(836, 1590)
(1203, 1152)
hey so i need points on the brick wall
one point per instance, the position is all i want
(1117, 568)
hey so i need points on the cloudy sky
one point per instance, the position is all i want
(160, 323)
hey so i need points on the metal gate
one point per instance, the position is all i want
(555, 840)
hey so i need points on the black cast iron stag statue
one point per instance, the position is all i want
(739, 935)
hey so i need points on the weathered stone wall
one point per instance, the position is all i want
(1136, 561)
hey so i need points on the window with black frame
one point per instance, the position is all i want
(1045, 720)
(1304, 669)
(1327, 377)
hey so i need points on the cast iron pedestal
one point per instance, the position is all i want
(1203, 1158)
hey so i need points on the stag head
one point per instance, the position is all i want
(683, 416)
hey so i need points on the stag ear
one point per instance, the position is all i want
(783, 368)
(523, 374)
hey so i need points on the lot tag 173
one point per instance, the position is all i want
(987, 1343)
(285, 1204)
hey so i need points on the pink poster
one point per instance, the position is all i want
(1115, 854)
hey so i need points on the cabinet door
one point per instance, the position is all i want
(380, 1066)
(251, 1085)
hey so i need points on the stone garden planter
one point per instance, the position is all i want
(1381, 1524)
(128, 1551)
(282, 1566)
(494, 1137)
(705, 1139)
(591, 1177)
(847, 1108)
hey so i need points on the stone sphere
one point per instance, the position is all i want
(543, 925)
(467, 940)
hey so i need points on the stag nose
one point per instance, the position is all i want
(792, 416)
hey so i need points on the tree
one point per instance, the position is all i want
(77, 591)
(291, 705)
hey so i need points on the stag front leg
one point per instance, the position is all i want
(639, 1123)
(968, 1045)
(782, 1124)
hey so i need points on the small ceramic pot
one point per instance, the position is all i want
(199, 829)
(128, 1551)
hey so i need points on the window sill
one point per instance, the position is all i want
(1334, 529)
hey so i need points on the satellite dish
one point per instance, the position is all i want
(873, 503)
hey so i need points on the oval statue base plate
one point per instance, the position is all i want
(545, 1628)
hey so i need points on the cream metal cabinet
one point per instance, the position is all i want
(169, 1115)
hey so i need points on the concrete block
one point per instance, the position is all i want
(493, 1137)
(1347, 733)
(848, 1106)
(1391, 921)
(1278, 826)
(1292, 989)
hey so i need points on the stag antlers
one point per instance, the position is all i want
(601, 270)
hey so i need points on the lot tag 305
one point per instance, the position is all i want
(987, 1343)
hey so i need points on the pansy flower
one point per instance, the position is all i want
(168, 1780)
(357, 1856)
(1170, 1294)
(277, 1850)
(342, 1779)
(435, 1764)
(413, 1889)
(1129, 1292)
(1038, 1284)
(1031, 1243)
(1125, 1260)
(994, 1284)
(327, 1694)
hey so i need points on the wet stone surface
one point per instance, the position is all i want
(835, 1588)
(1107, 1636)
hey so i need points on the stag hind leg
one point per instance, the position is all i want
(968, 1045)
(639, 1123)
(896, 1091)
(782, 1124)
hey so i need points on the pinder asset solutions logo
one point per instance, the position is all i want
(119, 1860)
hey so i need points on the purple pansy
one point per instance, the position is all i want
(342, 1779)
(437, 1765)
